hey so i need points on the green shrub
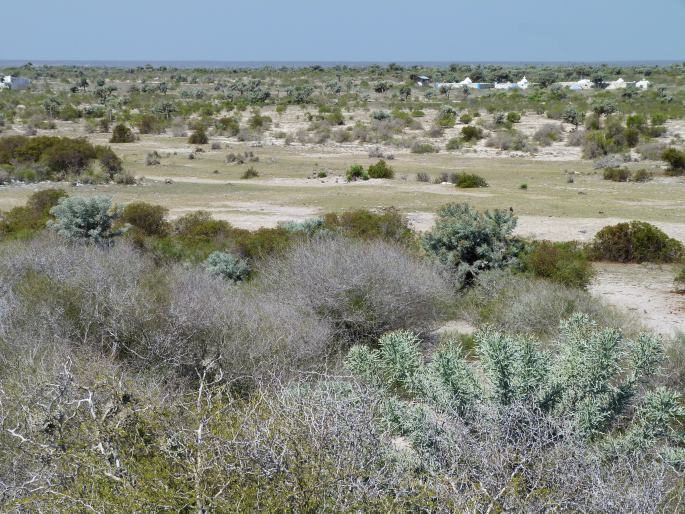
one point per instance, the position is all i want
(676, 161)
(226, 266)
(85, 219)
(641, 175)
(469, 180)
(422, 148)
(54, 157)
(198, 136)
(228, 125)
(588, 381)
(565, 263)
(524, 304)
(454, 143)
(25, 220)
(148, 218)
(447, 117)
(616, 174)
(470, 134)
(388, 224)
(465, 118)
(250, 172)
(636, 241)
(122, 134)
(679, 280)
(471, 242)
(381, 170)
(513, 117)
(356, 172)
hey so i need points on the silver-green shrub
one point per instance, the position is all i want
(85, 219)
(471, 241)
(227, 266)
(595, 380)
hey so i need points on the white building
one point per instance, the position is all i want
(617, 84)
(643, 84)
(16, 83)
(523, 83)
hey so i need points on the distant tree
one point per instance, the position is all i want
(104, 93)
(52, 106)
(405, 92)
(83, 83)
(381, 87)
(570, 115)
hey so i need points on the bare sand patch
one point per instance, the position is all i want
(250, 215)
(644, 290)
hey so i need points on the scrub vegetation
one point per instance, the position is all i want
(313, 290)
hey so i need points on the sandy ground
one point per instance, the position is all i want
(645, 291)
(250, 215)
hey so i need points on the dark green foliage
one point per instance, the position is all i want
(676, 161)
(388, 224)
(356, 172)
(151, 124)
(148, 218)
(122, 134)
(381, 170)
(636, 241)
(616, 174)
(513, 117)
(198, 136)
(470, 134)
(58, 155)
(565, 263)
(24, 221)
(469, 180)
(250, 172)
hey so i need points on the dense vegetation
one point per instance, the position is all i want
(199, 104)
(192, 366)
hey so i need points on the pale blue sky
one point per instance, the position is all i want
(343, 30)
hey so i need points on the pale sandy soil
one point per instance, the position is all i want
(645, 291)
(250, 215)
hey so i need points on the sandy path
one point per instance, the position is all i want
(557, 229)
(645, 291)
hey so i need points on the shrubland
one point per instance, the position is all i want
(151, 364)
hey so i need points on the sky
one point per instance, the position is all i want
(343, 30)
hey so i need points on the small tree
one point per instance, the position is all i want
(85, 219)
(405, 92)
